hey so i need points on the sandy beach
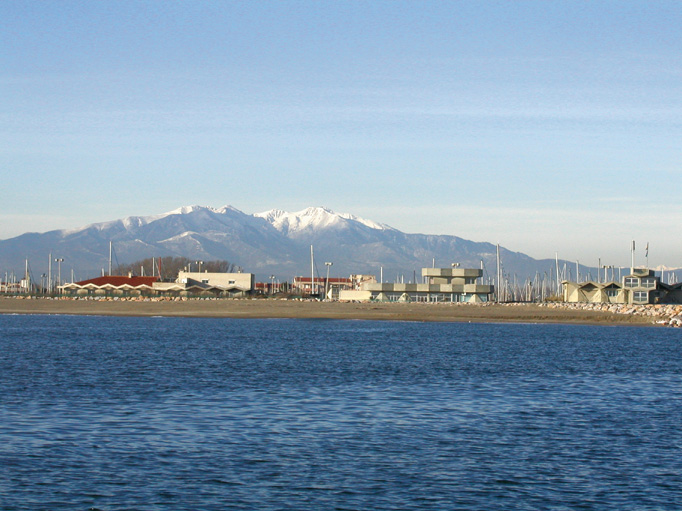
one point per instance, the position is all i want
(273, 308)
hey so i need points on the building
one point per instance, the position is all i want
(441, 285)
(641, 286)
(222, 284)
(117, 285)
(187, 284)
(320, 285)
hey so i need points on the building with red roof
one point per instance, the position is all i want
(111, 284)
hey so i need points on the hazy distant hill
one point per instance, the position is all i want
(275, 242)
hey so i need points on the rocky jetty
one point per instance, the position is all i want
(660, 314)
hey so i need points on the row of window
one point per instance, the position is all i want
(636, 282)
(431, 297)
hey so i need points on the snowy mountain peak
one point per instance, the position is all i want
(228, 209)
(314, 219)
(272, 215)
(185, 210)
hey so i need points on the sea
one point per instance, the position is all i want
(119, 413)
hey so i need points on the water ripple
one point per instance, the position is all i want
(133, 413)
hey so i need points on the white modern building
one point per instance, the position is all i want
(227, 284)
(641, 286)
(440, 285)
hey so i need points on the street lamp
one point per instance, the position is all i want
(272, 284)
(59, 261)
(199, 263)
(326, 282)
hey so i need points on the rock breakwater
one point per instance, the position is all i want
(660, 314)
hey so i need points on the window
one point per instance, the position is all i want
(611, 293)
(233, 282)
(641, 296)
(204, 281)
(631, 281)
(650, 283)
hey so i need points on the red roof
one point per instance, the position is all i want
(119, 280)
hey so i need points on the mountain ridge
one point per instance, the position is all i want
(272, 242)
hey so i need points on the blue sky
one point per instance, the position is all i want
(544, 126)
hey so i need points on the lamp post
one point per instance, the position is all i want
(272, 284)
(59, 261)
(199, 263)
(326, 282)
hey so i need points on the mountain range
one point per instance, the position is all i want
(271, 243)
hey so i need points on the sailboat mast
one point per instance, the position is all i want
(558, 282)
(312, 271)
(499, 287)
(110, 250)
(577, 270)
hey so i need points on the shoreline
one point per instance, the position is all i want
(295, 309)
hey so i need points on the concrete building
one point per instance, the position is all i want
(224, 284)
(321, 285)
(441, 285)
(187, 284)
(641, 286)
(116, 285)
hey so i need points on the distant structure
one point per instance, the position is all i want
(321, 285)
(187, 284)
(111, 285)
(217, 284)
(442, 285)
(641, 286)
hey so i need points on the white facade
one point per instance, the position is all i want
(241, 282)
(641, 286)
(442, 285)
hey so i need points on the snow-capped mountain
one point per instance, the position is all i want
(274, 242)
(314, 220)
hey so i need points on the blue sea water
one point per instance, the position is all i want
(102, 413)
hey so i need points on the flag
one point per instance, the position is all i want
(647, 249)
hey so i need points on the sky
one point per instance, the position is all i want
(547, 127)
